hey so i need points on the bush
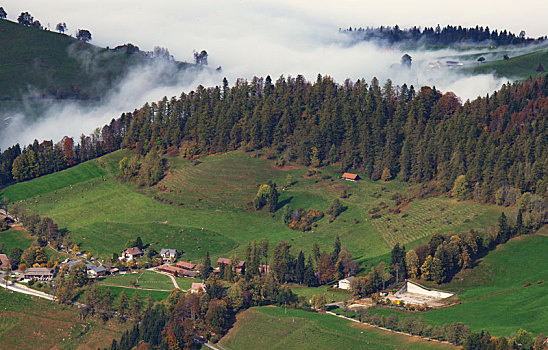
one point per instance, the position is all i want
(302, 220)
(336, 208)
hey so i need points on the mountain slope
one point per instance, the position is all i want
(40, 63)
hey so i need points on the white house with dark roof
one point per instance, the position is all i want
(168, 254)
(95, 271)
(345, 282)
(131, 253)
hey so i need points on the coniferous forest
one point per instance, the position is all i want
(498, 142)
(448, 35)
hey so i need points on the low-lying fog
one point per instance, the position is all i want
(254, 38)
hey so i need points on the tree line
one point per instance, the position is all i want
(448, 35)
(496, 141)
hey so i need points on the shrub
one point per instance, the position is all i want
(302, 220)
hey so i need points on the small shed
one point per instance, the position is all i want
(350, 177)
(345, 283)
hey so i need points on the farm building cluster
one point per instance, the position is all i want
(414, 294)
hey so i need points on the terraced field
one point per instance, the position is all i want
(433, 215)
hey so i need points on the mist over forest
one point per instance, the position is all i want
(246, 40)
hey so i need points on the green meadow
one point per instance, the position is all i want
(281, 328)
(15, 239)
(144, 279)
(207, 207)
(520, 66)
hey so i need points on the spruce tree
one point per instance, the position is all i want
(207, 267)
(300, 268)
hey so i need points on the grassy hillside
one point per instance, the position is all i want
(194, 209)
(519, 66)
(33, 60)
(13, 238)
(506, 291)
(31, 323)
(297, 329)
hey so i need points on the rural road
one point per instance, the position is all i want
(19, 288)
(211, 346)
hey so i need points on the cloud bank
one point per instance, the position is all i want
(255, 38)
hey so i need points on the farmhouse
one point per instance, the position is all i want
(169, 269)
(71, 262)
(350, 177)
(168, 254)
(196, 287)
(39, 273)
(92, 270)
(188, 273)
(131, 253)
(345, 283)
(4, 262)
(186, 265)
(95, 271)
(227, 262)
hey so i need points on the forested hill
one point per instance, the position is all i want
(448, 35)
(499, 142)
(37, 63)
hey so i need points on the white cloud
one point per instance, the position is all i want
(249, 38)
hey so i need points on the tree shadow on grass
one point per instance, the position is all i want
(284, 202)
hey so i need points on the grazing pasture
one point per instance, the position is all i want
(206, 206)
(298, 329)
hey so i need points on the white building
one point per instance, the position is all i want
(168, 254)
(345, 283)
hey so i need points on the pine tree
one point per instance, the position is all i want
(123, 306)
(336, 249)
(309, 278)
(207, 266)
(300, 268)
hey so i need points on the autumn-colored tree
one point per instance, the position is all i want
(68, 150)
(318, 302)
(326, 268)
(412, 262)
(386, 175)
(217, 316)
(461, 188)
